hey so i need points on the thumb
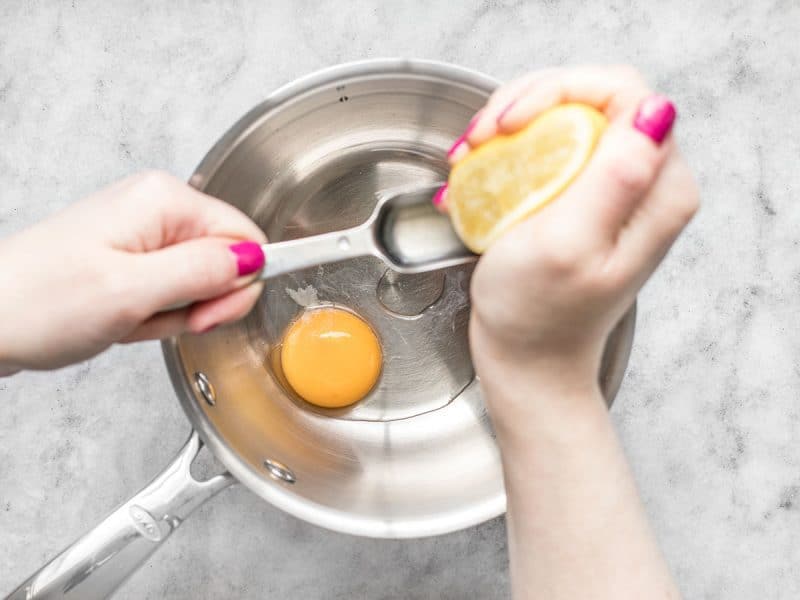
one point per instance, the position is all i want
(197, 269)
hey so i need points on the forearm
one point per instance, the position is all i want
(576, 525)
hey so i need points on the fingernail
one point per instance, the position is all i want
(472, 122)
(504, 112)
(249, 257)
(655, 117)
(458, 144)
(438, 197)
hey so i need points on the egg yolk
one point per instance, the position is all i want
(331, 357)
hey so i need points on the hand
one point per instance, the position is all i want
(102, 271)
(546, 295)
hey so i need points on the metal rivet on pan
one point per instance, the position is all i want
(205, 387)
(279, 471)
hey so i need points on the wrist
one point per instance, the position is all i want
(545, 350)
(531, 393)
(535, 407)
(564, 369)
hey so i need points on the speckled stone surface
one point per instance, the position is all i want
(709, 412)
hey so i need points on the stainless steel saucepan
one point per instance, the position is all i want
(417, 457)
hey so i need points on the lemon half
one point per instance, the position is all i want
(509, 177)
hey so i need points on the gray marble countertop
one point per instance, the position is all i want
(709, 412)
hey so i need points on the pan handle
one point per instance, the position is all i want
(100, 561)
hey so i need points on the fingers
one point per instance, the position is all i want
(162, 210)
(194, 270)
(221, 219)
(623, 168)
(199, 318)
(629, 155)
(183, 245)
(612, 90)
(615, 90)
(160, 326)
(225, 309)
(485, 125)
(439, 199)
(669, 206)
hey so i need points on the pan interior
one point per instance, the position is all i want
(417, 456)
(421, 320)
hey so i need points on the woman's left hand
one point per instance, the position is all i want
(108, 268)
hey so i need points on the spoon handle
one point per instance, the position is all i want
(294, 255)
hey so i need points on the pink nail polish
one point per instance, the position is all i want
(655, 117)
(249, 257)
(472, 122)
(456, 145)
(439, 196)
(504, 112)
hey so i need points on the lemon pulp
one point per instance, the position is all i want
(509, 177)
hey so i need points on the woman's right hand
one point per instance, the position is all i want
(546, 295)
(109, 268)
